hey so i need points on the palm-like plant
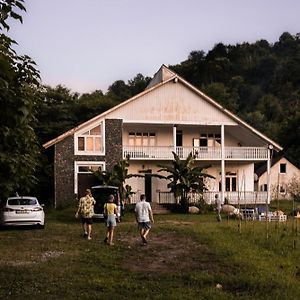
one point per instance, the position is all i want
(184, 177)
(117, 177)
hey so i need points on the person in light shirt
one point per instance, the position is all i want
(144, 217)
(86, 211)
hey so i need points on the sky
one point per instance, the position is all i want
(87, 45)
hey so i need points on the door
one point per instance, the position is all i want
(148, 187)
(179, 143)
(85, 181)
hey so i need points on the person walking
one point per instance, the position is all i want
(144, 217)
(218, 202)
(86, 211)
(111, 213)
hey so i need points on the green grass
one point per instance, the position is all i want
(186, 258)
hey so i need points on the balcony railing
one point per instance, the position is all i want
(201, 153)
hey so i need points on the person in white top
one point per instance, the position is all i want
(144, 217)
(219, 204)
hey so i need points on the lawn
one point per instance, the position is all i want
(187, 257)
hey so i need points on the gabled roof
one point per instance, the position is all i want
(162, 77)
(263, 168)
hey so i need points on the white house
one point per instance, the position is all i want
(282, 173)
(170, 115)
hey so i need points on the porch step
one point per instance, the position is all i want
(159, 209)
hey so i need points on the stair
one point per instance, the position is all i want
(159, 209)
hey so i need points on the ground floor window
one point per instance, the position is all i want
(230, 183)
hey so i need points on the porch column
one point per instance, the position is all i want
(269, 174)
(222, 163)
(174, 137)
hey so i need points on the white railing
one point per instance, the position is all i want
(246, 153)
(201, 153)
(235, 198)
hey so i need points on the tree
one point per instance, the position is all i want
(138, 84)
(19, 83)
(10, 8)
(117, 177)
(184, 178)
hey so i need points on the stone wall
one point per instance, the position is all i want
(64, 172)
(113, 142)
(64, 159)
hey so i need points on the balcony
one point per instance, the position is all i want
(201, 153)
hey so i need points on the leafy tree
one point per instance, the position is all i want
(91, 105)
(57, 103)
(19, 82)
(10, 9)
(119, 91)
(117, 177)
(138, 84)
(184, 178)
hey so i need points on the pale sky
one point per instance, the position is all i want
(89, 44)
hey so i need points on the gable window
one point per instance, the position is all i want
(282, 168)
(142, 139)
(90, 141)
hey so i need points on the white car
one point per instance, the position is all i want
(22, 210)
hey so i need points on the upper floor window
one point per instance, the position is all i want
(91, 140)
(282, 168)
(208, 140)
(142, 139)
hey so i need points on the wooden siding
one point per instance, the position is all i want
(172, 103)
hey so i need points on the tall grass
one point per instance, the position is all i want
(188, 257)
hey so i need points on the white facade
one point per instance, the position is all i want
(281, 174)
(172, 115)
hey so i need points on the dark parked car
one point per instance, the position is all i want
(100, 194)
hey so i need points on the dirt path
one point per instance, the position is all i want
(167, 252)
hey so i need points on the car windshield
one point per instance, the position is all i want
(23, 201)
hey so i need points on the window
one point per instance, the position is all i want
(264, 187)
(140, 139)
(230, 182)
(91, 141)
(282, 189)
(87, 169)
(209, 140)
(282, 168)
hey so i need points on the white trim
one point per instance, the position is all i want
(178, 123)
(80, 132)
(77, 164)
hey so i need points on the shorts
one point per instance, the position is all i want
(144, 225)
(87, 220)
(111, 221)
